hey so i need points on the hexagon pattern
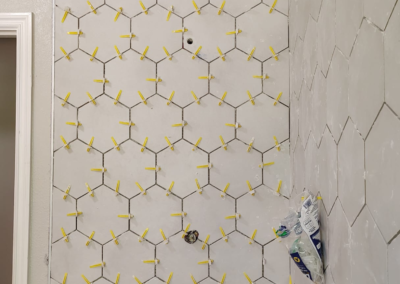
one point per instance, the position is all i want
(142, 110)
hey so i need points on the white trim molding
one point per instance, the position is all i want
(20, 24)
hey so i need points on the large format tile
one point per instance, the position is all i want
(326, 34)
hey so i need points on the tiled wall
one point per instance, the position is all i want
(114, 139)
(345, 131)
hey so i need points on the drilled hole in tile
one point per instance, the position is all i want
(189, 41)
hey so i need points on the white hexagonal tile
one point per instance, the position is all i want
(209, 281)
(76, 76)
(75, 258)
(181, 75)
(294, 120)
(181, 258)
(382, 161)
(379, 12)
(207, 212)
(328, 276)
(100, 214)
(208, 30)
(236, 7)
(59, 217)
(299, 172)
(278, 73)
(367, 241)
(309, 51)
(392, 61)
(102, 281)
(235, 77)
(130, 8)
(127, 258)
(73, 168)
(281, 6)
(96, 26)
(366, 77)
(129, 76)
(182, 8)
(155, 121)
(280, 170)
(61, 38)
(101, 121)
(276, 267)
(154, 31)
(155, 281)
(263, 281)
(305, 111)
(318, 106)
(128, 166)
(63, 114)
(324, 231)
(394, 261)
(180, 166)
(207, 121)
(153, 211)
(261, 212)
(235, 166)
(336, 94)
(297, 73)
(263, 121)
(248, 259)
(311, 166)
(262, 30)
(79, 8)
(351, 187)
(326, 34)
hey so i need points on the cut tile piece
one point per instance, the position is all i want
(61, 207)
(281, 5)
(207, 212)
(394, 260)
(101, 121)
(262, 30)
(153, 211)
(181, 258)
(263, 121)
(127, 258)
(96, 26)
(261, 212)
(181, 75)
(76, 76)
(326, 34)
(130, 8)
(208, 31)
(100, 214)
(72, 168)
(155, 121)
(310, 50)
(236, 7)
(366, 77)
(181, 8)
(235, 77)
(276, 267)
(63, 114)
(207, 121)
(235, 166)
(378, 11)
(248, 259)
(154, 31)
(128, 166)
(129, 76)
(382, 161)
(318, 106)
(180, 166)
(75, 258)
(61, 39)
(78, 8)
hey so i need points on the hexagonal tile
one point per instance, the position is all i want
(382, 161)
(366, 241)
(154, 31)
(102, 281)
(297, 73)
(63, 114)
(235, 7)
(208, 30)
(155, 281)
(366, 80)
(351, 187)
(261, 212)
(72, 168)
(61, 38)
(326, 34)
(299, 170)
(101, 121)
(305, 110)
(318, 106)
(235, 76)
(155, 121)
(180, 166)
(309, 51)
(294, 120)
(100, 214)
(394, 260)
(311, 166)
(248, 259)
(278, 73)
(209, 281)
(379, 13)
(95, 26)
(263, 121)
(131, 80)
(336, 94)
(262, 30)
(235, 166)
(153, 211)
(392, 61)
(78, 8)
(128, 166)
(127, 258)
(324, 231)
(281, 6)
(76, 76)
(207, 212)
(130, 8)
(181, 75)
(207, 120)
(280, 170)
(75, 258)
(181, 258)
(181, 8)
(59, 216)
(276, 267)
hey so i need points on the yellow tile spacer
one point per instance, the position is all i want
(251, 54)
(141, 188)
(221, 55)
(247, 277)
(170, 98)
(225, 237)
(117, 97)
(89, 189)
(273, 53)
(182, 30)
(223, 142)
(170, 10)
(277, 99)
(131, 35)
(169, 277)
(143, 7)
(76, 214)
(225, 189)
(266, 164)
(91, 98)
(221, 7)
(114, 238)
(154, 79)
(209, 77)
(236, 125)
(141, 96)
(167, 53)
(86, 280)
(197, 144)
(205, 242)
(195, 97)
(65, 99)
(278, 190)
(90, 239)
(196, 52)
(155, 261)
(65, 237)
(273, 6)
(102, 81)
(223, 279)
(141, 238)
(67, 10)
(194, 280)
(118, 53)
(119, 11)
(74, 123)
(144, 53)
(236, 216)
(78, 33)
(137, 280)
(319, 197)
(66, 55)
(103, 170)
(90, 144)
(163, 235)
(264, 77)
(65, 278)
(276, 235)
(222, 98)
(91, 7)
(237, 31)
(199, 189)
(185, 231)
(117, 188)
(290, 279)
(170, 188)
(144, 144)
(196, 7)
(156, 168)
(180, 214)
(67, 192)
(252, 237)
(251, 98)
(125, 216)
(169, 143)
(207, 166)
(128, 123)
(250, 144)
(251, 190)
(116, 146)
(64, 142)
(94, 53)
(209, 262)
(117, 279)
(277, 145)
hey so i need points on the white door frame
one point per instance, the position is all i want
(19, 25)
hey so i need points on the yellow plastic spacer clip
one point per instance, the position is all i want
(141, 238)
(199, 189)
(266, 164)
(67, 192)
(197, 144)
(221, 7)
(251, 54)
(251, 190)
(89, 189)
(144, 53)
(248, 278)
(170, 98)
(117, 279)
(117, 188)
(196, 52)
(94, 53)
(182, 30)
(73, 123)
(236, 216)
(222, 99)
(170, 188)
(196, 7)
(171, 146)
(169, 277)
(273, 53)
(290, 279)
(114, 238)
(156, 168)
(180, 214)
(167, 53)
(155, 261)
(143, 7)
(158, 79)
(65, 278)
(209, 262)
(224, 237)
(195, 97)
(221, 55)
(185, 231)
(277, 145)
(141, 96)
(278, 190)
(91, 98)
(170, 10)
(65, 237)
(319, 197)
(65, 99)
(90, 144)
(251, 98)
(273, 6)
(236, 125)
(235, 32)
(67, 10)
(103, 170)
(90, 239)
(66, 55)
(223, 142)
(137, 280)
(144, 144)
(117, 97)
(277, 99)
(119, 11)
(85, 279)
(126, 216)
(194, 280)
(75, 214)
(78, 33)
(131, 35)
(263, 77)
(276, 235)
(223, 279)
(64, 142)
(252, 237)
(250, 144)
(118, 53)
(207, 166)
(141, 188)
(91, 7)
(223, 193)
(164, 237)
(116, 145)
(205, 242)
(209, 77)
